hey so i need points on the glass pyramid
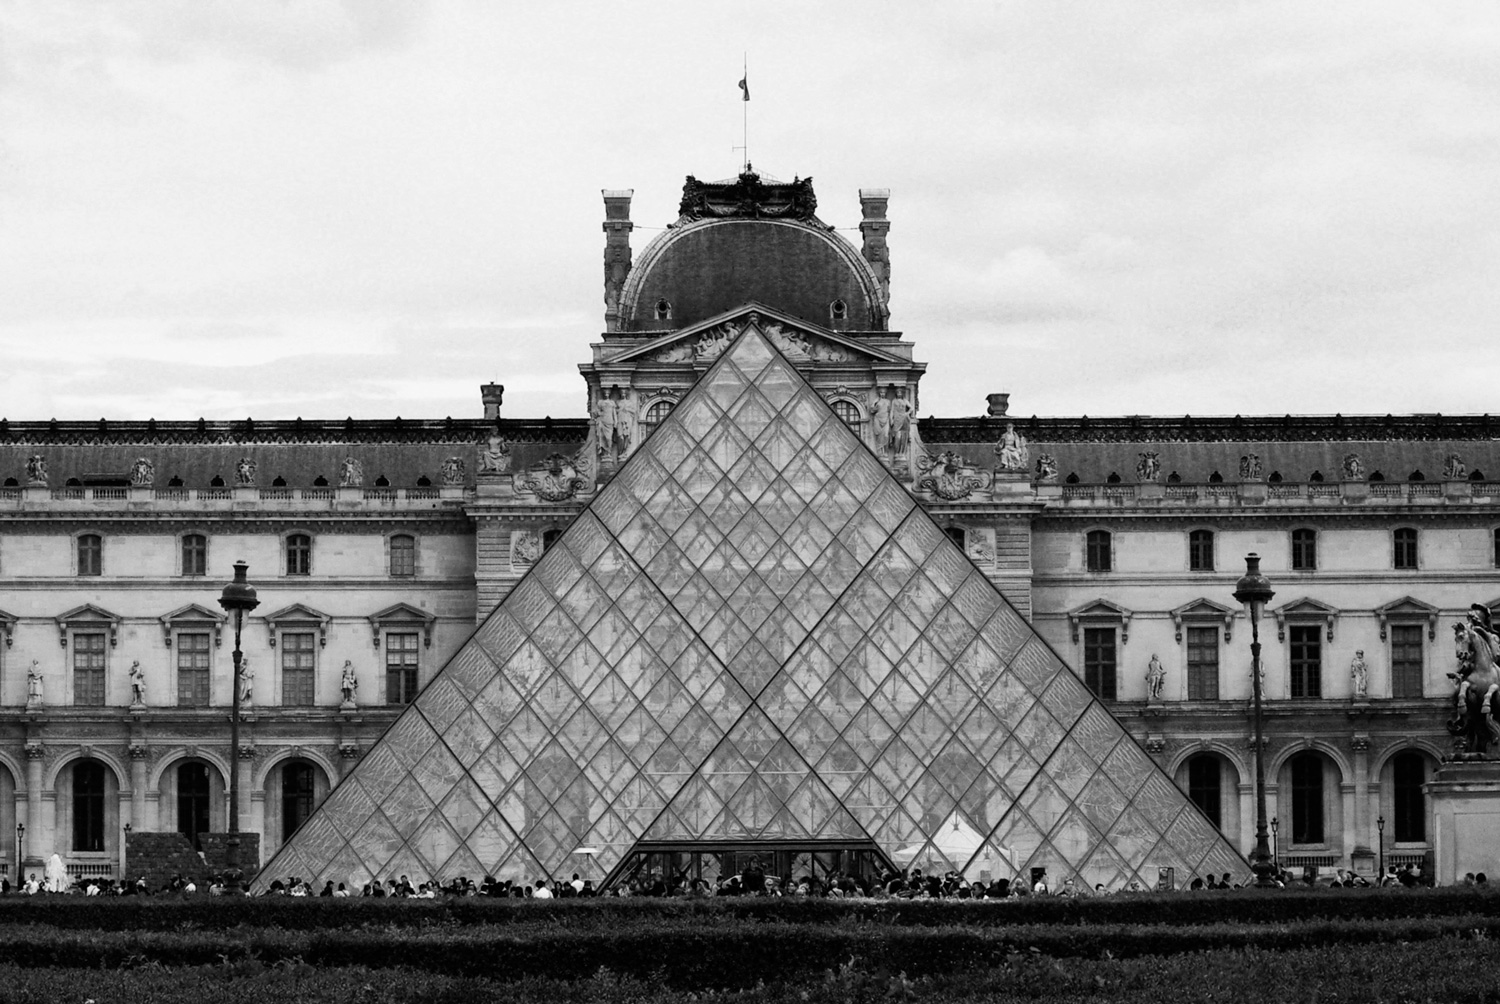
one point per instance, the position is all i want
(753, 633)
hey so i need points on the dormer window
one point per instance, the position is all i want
(663, 310)
(838, 310)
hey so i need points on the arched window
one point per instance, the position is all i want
(382, 482)
(90, 554)
(1097, 548)
(1216, 478)
(403, 555)
(217, 481)
(88, 805)
(320, 482)
(663, 310)
(1409, 774)
(654, 415)
(278, 482)
(1205, 786)
(194, 554)
(298, 554)
(1304, 550)
(838, 310)
(296, 796)
(1201, 551)
(193, 800)
(1404, 547)
(1307, 799)
(848, 413)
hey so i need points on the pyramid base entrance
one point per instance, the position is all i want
(780, 861)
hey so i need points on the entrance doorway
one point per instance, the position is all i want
(663, 865)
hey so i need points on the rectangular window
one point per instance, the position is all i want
(1406, 660)
(1304, 551)
(194, 554)
(299, 554)
(192, 670)
(90, 554)
(1099, 661)
(88, 669)
(400, 668)
(1201, 551)
(1404, 547)
(1097, 551)
(1203, 663)
(297, 660)
(1307, 799)
(403, 555)
(1307, 660)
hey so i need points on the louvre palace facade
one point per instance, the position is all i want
(533, 643)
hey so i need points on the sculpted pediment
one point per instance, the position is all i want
(1305, 609)
(798, 340)
(1205, 609)
(1407, 608)
(1101, 610)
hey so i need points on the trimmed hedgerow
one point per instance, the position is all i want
(131, 913)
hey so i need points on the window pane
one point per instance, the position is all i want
(1099, 661)
(192, 802)
(1098, 551)
(1405, 541)
(1201, 551)
(400, 668)
(1204, 787)
(194, 554)
(1307, 799)
(296, 797)
(1410, 773)
(88, 669)
(1307, 660)
(403, 555)
(299, 554)
(1304, 550)
(88, 806)
(90, 555)
(297, 663)
(1406, 660)
(192, 669)
(1203, 663)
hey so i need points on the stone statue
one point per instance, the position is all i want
(900, 423)
(1454, 468)
(1360, 673)
(606, 419)
(1046, 468)
(1012, 451)
(1148, 467)
(1475, 644)
(627, 421)
(247, 683)
(454, 471)
(244, 471)
(34, 685)
(137, 685)
(1156, 678)
(880, 420)
(36, 469)
(348, 684)
(1353, 468)
(352, 475)
(494, 457)
(142, 473)
(1250, 467)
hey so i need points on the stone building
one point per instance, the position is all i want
(381, 544)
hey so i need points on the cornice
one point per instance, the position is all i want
(450, 521)
(1216, 429)
(199, 585)
(455, 432)
(1251, 517)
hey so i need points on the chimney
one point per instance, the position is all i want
(617, 227)
(490, 394)
(874, 227)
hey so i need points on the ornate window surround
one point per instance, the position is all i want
(193, 617)
(1407, 610)
(1100, 613)
(416, 553)
(1204, 611)
(8, 627)
(401, 617)
(296, 617)
(87, 618)
(1304, 610)
(179, 539)
(285, 537)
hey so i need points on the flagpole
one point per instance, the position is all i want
(745, 114)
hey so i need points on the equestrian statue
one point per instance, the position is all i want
(1477, 699)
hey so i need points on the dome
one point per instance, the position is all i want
(746, 240)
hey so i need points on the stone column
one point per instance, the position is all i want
(35, 835)
(1361, 857)
(138, 786)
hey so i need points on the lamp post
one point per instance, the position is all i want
(1254, 589)
(20, 850)
(1275, 845)
(238, 598)
(1380, 828)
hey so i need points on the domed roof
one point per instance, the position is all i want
(750, 239)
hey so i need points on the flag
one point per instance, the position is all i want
(745, 85)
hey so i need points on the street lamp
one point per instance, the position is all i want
(1254, 589)
(1380, 828)
(1275, 845)
(238, 598)
(20, 850)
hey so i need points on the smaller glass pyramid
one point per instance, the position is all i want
(753, 633)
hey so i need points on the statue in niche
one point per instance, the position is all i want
(1359, 672)
(1046, 468)
(627, 421)
(36, 469)
(454, 471)
(1250, 467)
(142, 473)
(137, 685)
(1454, 468)
(244, 471)
(494, 456)
(1353, 468)
(348, 684)
(606, 418)
(1148, 467)
(880, 419)
(247, 683)
(900, 423)
(34, 685)
(1156, 678)
(352, 474)
(1011, 451)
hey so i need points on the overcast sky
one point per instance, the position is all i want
(319, 209)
